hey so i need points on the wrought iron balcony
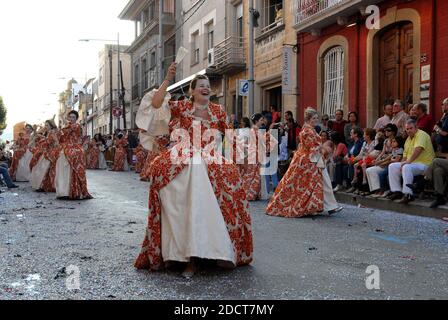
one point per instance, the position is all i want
(228, 55)
(317, 14)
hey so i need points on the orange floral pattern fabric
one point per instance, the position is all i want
(224, 179)
(140, 154)
(37, 151)
(71, 142)
(300, 192)
(93, 155)
(162, 142)
(20, 148)
(120, 154)
(51, 153)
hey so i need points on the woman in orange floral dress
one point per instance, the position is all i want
(20, 166)
(197, 207)
(51, 154)
(93, 155)
(141, 154)
(306, 187)
(37, 150)
(43, 171)
(70, 180)
(121, 154)
(250, 172)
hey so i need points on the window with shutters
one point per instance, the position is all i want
(333, 75)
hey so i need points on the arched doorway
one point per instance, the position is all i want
(396, 64)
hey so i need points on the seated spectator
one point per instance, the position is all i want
(325, 125)
(353, 122)
(386, 119)
(4, 171)
(441, 129)
(438, 174)
(417, 157)
(339, 153)
(377, 173)
(338, 124)
(327, 151)
(344, 171)
(412, 114)
(424, 120)
(400, 117)
(365, 159)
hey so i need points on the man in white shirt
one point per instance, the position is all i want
(400, 117)
(386, 119)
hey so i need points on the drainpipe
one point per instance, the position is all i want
(302, 77)
(433, 56)
(358, 34)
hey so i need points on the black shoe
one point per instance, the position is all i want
(440, 201)
(13, 187)
(395, 196)
(406, 199)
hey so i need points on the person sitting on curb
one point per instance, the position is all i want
(417, 157)
(438, 174)
(4, 171)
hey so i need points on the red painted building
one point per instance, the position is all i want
(346, 61)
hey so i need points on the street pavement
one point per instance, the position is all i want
(45, 242)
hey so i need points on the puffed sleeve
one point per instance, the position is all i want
(154, 120)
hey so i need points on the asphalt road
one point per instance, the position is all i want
(312, 258)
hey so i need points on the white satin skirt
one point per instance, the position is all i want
(330, 202)
(102, 162)
(191, 219)
(63, 176)
(23, 173)
(39, 172)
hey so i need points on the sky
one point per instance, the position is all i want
(39, 45)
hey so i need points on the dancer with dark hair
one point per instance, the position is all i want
(71, 181)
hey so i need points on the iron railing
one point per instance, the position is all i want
(306, 9)
(230, 51)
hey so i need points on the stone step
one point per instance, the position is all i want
(416, 208)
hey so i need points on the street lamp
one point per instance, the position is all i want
(120, 93)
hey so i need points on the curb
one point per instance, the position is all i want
(416, 208)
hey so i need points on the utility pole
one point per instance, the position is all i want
(118, 79)
(161, 53)
(251, 79)
(111, 125)
(122, 95)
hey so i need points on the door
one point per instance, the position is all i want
(396, 64)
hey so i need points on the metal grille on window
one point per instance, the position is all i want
(333, 93)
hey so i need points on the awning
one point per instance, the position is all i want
(185, 81)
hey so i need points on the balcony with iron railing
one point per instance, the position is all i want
(316, 14)
(228, 55)
(150, 27)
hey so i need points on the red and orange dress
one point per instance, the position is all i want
(51, 154)
(70, 180)
(140, 154)
(121, 155)
(20, 166)
(153, 148)
(197, 207)
(93, 155)
(306, 187)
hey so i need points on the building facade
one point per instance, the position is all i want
(104, 102)
(350, 60)
(145, 49)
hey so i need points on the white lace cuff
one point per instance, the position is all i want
(154, 121)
